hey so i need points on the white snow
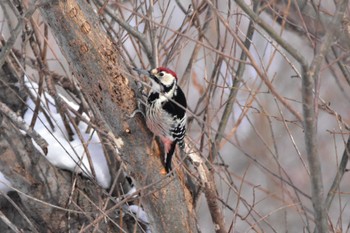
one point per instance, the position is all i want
(63, 153)
(4, 184)
(139, 213)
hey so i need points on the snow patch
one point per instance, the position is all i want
(63, 153)
(5, 184)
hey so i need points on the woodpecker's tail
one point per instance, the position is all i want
(181, 144)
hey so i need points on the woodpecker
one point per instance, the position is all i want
(166, 110)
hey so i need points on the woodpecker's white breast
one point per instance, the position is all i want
(159, 121)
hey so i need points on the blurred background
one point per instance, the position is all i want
(245, 105)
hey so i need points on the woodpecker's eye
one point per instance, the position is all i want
(161, 74)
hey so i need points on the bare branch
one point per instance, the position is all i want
(9, 223)
(6, 49)
(310, 76)
(20, 123)
(338, 177)
(206, 178)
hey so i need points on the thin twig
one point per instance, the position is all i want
(21, 124)
(338, 177)
(8, 222)
(6, 49)
(234, 89)
(21, 213)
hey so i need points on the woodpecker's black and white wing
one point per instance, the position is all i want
(176, 107)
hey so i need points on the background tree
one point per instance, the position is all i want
(267, 87)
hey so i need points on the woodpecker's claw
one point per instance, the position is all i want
(138, 110)
(141, 71)
(132, 115)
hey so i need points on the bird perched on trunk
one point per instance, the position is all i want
(166, 110)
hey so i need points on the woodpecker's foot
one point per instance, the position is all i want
(132, 115)
(138, 110)
(165, 171)
(168, 169)
(140, 86)
(141, 90)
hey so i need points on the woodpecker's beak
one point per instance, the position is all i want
(142, 71)
(148, 73)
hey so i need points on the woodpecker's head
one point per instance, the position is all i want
(163, 79)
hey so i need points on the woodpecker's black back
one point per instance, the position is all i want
(179, 99)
